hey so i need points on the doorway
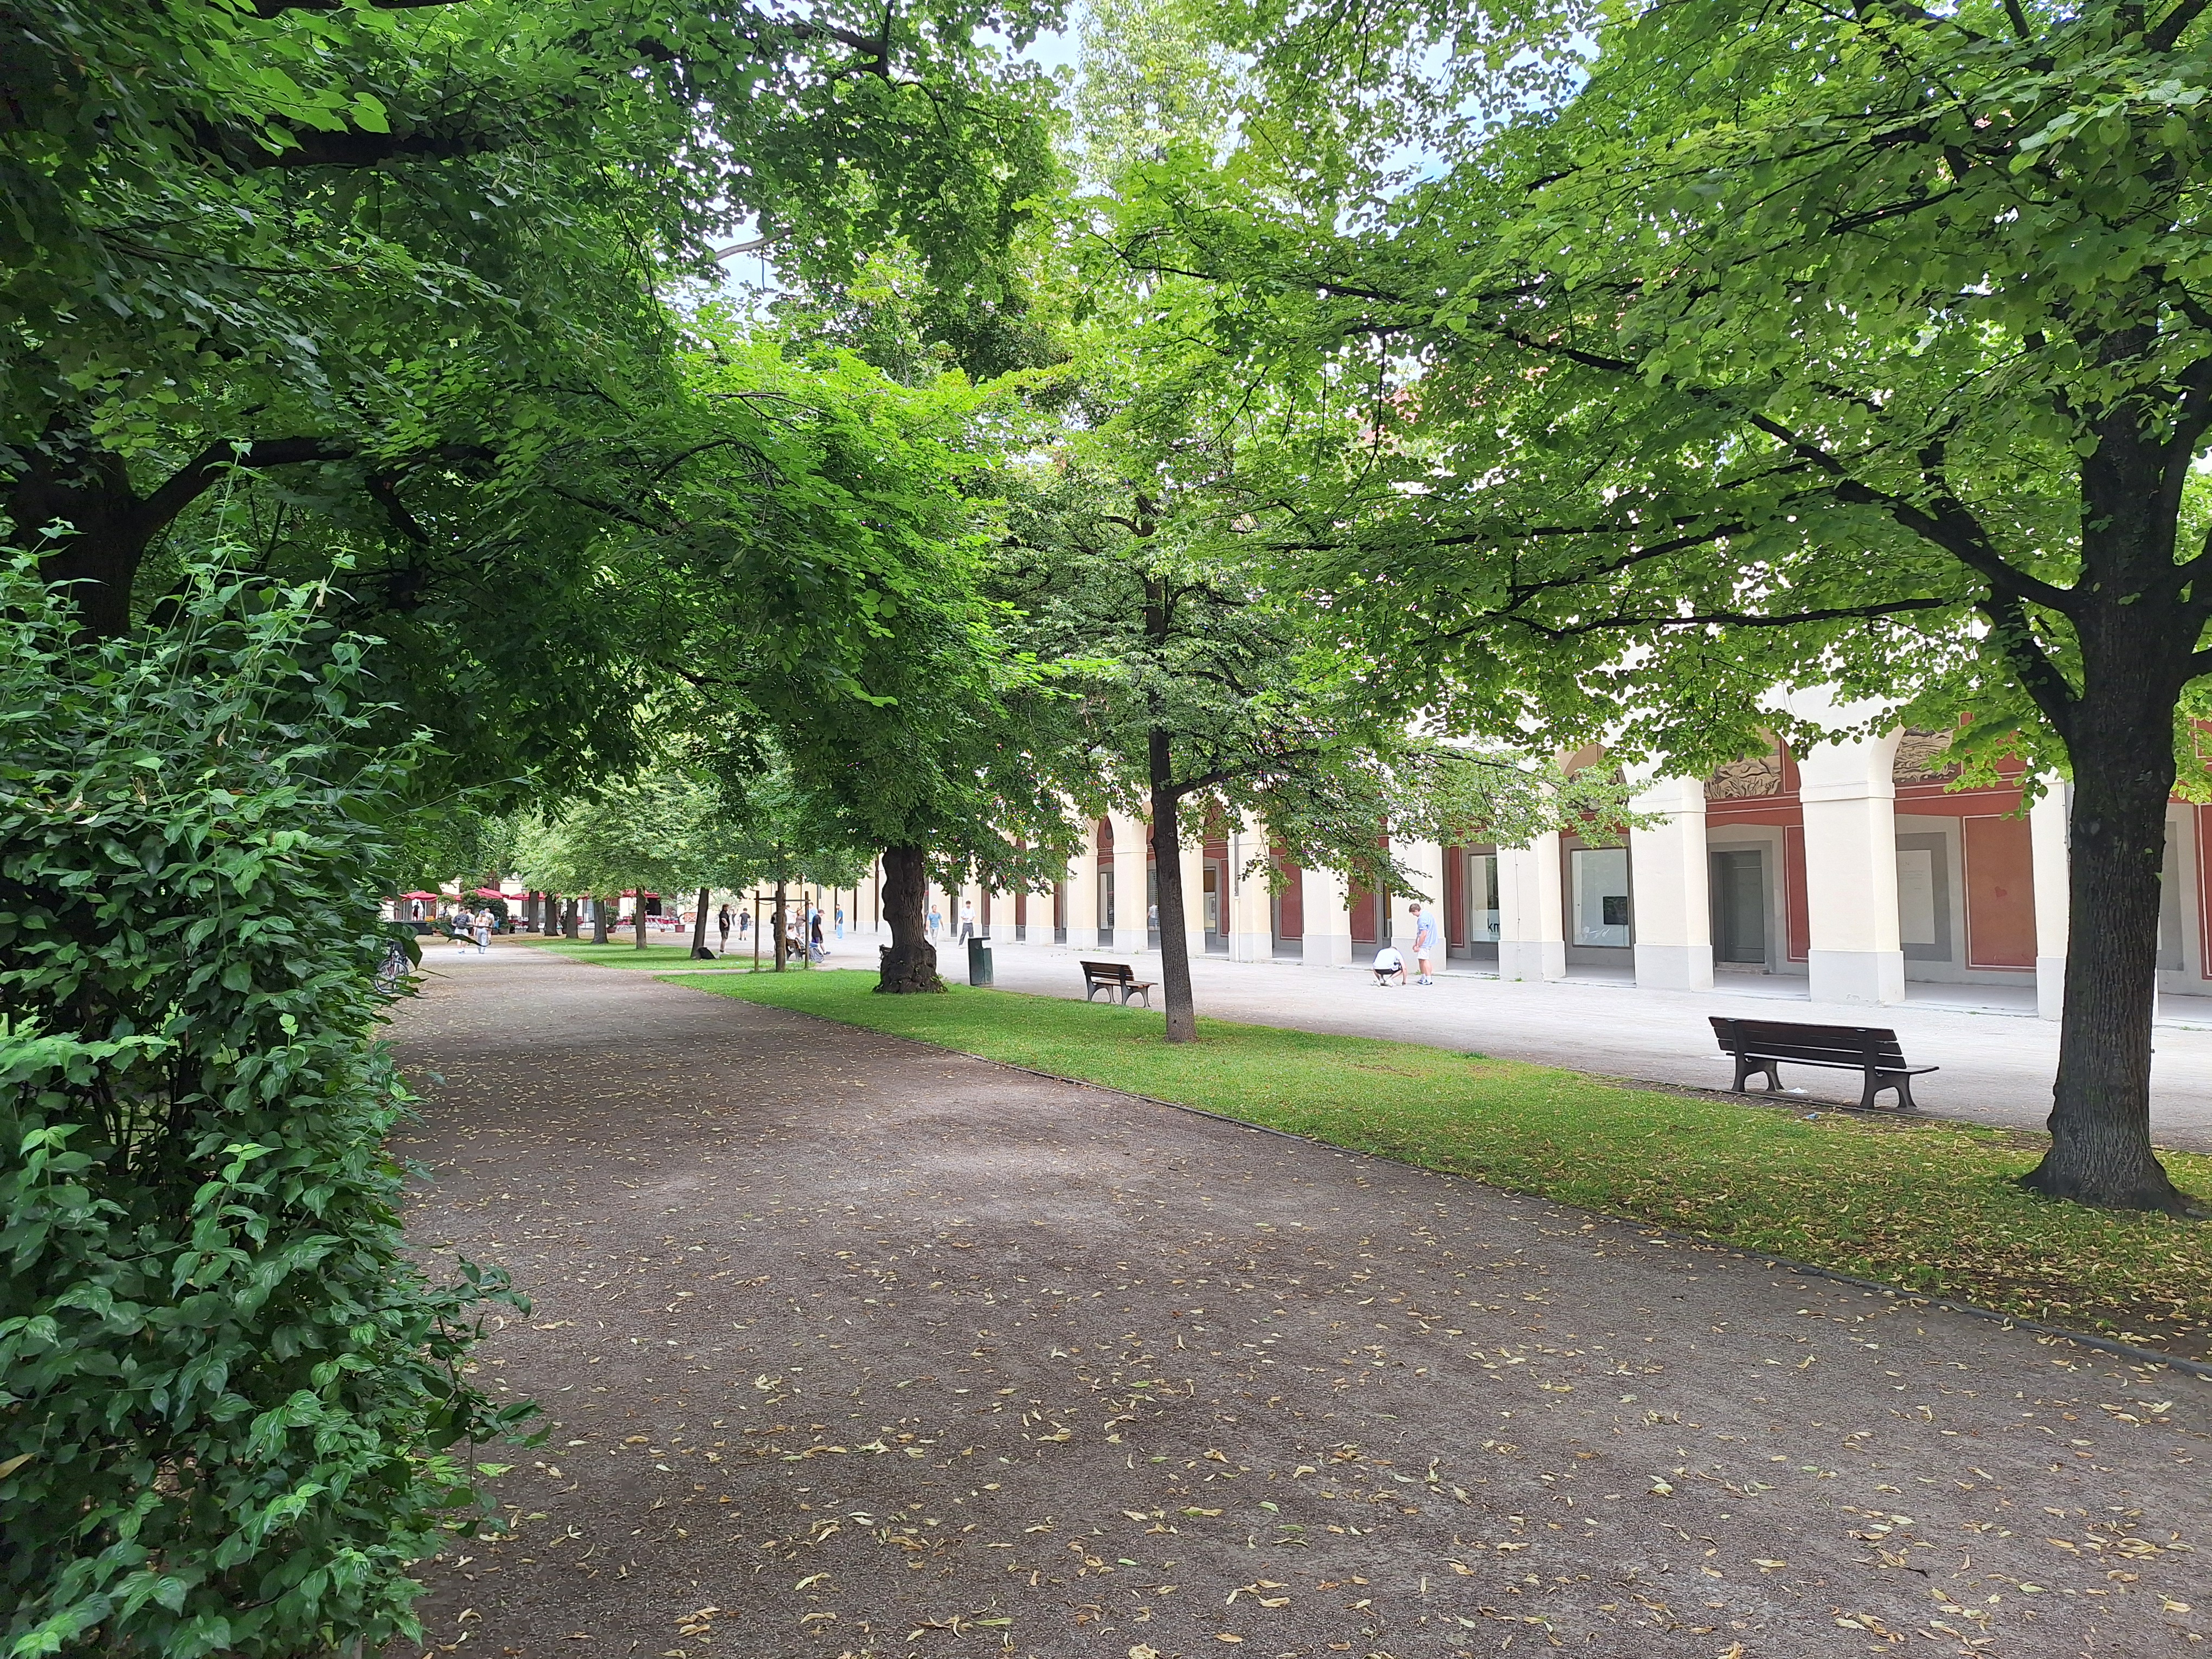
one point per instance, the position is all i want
(1217, 936)
(1739, 885)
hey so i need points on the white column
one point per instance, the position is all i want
(1251, 908)
(1082, 891)
(2047, 833)
(1668, 876)
(1328, 919)
(1850, 870)
(1129, 896)
(1424, 862)
(1532, 942)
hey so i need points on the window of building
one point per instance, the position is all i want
(1600, 877)
(1482, 898)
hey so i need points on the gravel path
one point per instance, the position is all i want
(849, 1348)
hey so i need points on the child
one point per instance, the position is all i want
(1388, 962)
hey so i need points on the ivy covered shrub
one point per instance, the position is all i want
(232, 1412)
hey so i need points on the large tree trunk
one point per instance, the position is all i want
(1167, 864)
(2120, 742)
(599, 920)
(637, 920)
(68, 480)
(699, 950)
(909, 962)
(571, 922)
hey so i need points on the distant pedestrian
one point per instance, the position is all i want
(936, 921)
(840, 918)
(1425, 943)
(1388, 965)
(722, 922)
(744, 924)
(482, 929)
(967, 920)
(814, 938)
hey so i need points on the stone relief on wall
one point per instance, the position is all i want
(1745, 780)
(1919, 757)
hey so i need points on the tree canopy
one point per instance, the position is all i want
(1790, 346)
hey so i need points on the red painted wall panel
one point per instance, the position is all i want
(2000, 893)
(1798, 911)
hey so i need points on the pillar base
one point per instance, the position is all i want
(1251, 947)
(1674, 967)
(2050, 986)
(1330, 950)
(1532, 958)
(1871, 978)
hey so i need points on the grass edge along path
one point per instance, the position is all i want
(1927, 1206)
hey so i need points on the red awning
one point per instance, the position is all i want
(490, 892)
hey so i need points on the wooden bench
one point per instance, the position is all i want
(1762, 1046)
(1114, 976)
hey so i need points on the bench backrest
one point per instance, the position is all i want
(1813, 1045)
(1114, 970)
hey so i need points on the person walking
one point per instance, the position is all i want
(722, 922)
(967, 920)
(838, 917)
(482, 929)
(814, 938)
(1424, 943)
(936, 921)
(744, 928)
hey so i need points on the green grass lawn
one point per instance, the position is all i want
(662, 952)
(1924, 1204)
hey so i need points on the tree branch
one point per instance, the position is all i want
(1710, 619)
(2171, 28)
(200, 474)
(2038, 675)
(265, 9)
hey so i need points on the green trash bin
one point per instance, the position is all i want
(979, 959)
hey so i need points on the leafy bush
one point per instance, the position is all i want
(231, 1411)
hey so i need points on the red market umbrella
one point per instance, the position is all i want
(490, 892)
(418, 896)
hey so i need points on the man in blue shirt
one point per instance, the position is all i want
(1425, 942)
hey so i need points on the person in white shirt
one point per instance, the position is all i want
(967, 920)
(1388, 962)
(1425, 942)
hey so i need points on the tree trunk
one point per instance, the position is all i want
(699, 950)
(571, 922)
(2120, 742)
(909, 962)
(637, 921)
(69, 481)
(782, 929)
(1167, 864)
(599, 920)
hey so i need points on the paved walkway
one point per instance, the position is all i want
(853, 1348)
(1996, 1065)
